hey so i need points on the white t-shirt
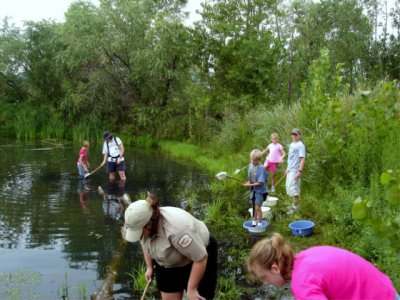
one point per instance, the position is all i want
(297, 150)
(114, 149)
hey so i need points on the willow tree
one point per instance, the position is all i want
(12, 62)
(128, 59)
(338, 26)
(238, 52)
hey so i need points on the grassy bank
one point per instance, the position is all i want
(350, 141)
(227, 210)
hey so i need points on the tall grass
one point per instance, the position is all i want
(214, 213)
(53, 127)
(26, 123)
(138, 277)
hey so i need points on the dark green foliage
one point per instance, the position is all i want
(135, 66)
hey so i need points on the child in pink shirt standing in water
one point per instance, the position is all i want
(83, 162)
(318, 273)
(274, 158)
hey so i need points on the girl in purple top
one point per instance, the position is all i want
(321, 272)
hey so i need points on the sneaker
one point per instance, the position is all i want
(272, 190)
(292, 208)
(253, 225)
(259, 225)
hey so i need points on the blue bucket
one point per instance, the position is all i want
(302, 228)
(247, 225)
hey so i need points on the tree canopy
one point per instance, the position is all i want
(137, 66)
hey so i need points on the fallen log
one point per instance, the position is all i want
(105, 292)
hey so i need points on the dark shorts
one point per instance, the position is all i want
(112, 166)
(172, 280)
(258, 198)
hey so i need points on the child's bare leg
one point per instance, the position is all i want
(273, 179)
(112, 176)
(122, 175)
(259, 213)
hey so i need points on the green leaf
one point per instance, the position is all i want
(392, 195)
(386, 178)
(359, 209)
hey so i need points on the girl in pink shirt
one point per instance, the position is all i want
(321, 272)
(274, 158)
(83, 163)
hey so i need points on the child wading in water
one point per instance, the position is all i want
(321, 272)
(275, 156)
(257, 178)
(83, 163)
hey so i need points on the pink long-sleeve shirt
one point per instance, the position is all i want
(326, 272)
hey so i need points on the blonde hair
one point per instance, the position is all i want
(274, 135)
(85, 144)
(255, 154)
(272, 251)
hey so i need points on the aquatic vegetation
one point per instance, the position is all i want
(63, 289)
(25, 124)
(17, 285)
(82, 291)
(138, 278)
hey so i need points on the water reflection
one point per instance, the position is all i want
(112, 206)
(83, 192)
(47, 215)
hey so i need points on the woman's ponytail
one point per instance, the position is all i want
(155, 217)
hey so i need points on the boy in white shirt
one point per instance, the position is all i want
(296, 161)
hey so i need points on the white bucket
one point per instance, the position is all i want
(271, 201)
(265, 212)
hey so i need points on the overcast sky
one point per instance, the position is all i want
(36, 10)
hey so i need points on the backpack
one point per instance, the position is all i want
(108, 148)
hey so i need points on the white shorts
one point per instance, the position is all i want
(292, 185)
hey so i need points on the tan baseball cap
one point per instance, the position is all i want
(137, 215)
(296, 131)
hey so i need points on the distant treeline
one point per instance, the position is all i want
(134, 67)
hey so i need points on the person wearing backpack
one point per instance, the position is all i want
(113, 151)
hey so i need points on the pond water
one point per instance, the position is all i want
(58, 236)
